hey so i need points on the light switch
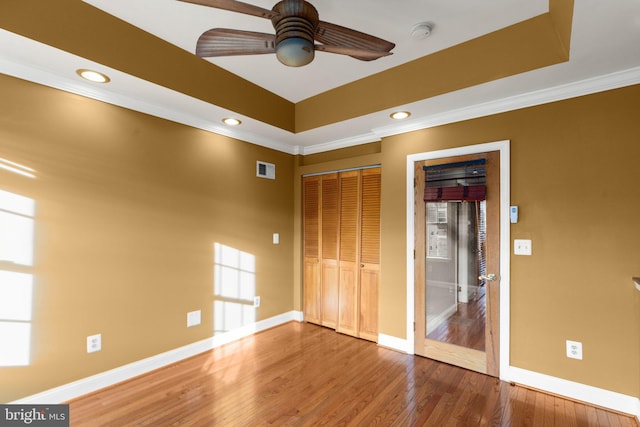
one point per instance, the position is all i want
(522, 247)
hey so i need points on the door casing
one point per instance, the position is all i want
(504, 148)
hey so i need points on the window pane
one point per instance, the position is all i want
(15, 343)
(16, 238)
(15, 295)
(16, 203)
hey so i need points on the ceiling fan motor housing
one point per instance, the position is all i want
(295, 29)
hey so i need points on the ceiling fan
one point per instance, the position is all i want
(296, 25)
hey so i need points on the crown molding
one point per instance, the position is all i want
(180, 108)
(340, 143)
(531, 99)
(102, 94)
(553, 94)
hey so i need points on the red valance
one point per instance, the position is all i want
(464, 193)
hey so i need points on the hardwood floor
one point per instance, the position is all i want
(299, 374)
(466, 326)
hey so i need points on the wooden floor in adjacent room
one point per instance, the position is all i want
(300, 374)
(466, 326)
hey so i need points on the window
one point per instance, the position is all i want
(16, 280)
(438, 230)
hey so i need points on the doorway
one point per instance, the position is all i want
(458, 238)
(455, 259)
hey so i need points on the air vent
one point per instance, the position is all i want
(265, 170)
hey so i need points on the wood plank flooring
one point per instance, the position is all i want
(299, 374)
(466, 327)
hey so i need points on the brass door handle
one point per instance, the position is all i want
(636, 280)
(489, 277)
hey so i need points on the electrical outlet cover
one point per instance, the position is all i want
(94, 343)
(194, 318)
(574, 350)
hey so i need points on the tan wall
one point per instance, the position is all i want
(125, 47)
(128, 208)
(574, 174)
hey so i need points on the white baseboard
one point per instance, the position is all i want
(394, 343)
(95, 382)
(298, 316)
(573, 390)
(584, 393)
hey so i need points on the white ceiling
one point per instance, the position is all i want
(605, 53)
(455, 21)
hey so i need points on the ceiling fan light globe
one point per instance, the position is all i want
(295, 51)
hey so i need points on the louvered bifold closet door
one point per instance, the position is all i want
(311, 249)
(330, 230)
(349, 250)
(369, 254)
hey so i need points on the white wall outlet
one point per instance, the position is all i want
(94, 343)
(194, 318)
(256, 302)
(276, 238)
(574, 350)
(522, 247)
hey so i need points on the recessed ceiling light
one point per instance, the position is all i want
(231, 121)
(93, 76)
(400, 115)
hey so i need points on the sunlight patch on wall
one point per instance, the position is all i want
(234, 288)
(16, 280)
(10, 166)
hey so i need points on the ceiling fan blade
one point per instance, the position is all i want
(236, 6)
(358, 53)
(227, 42)
(336, 35)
